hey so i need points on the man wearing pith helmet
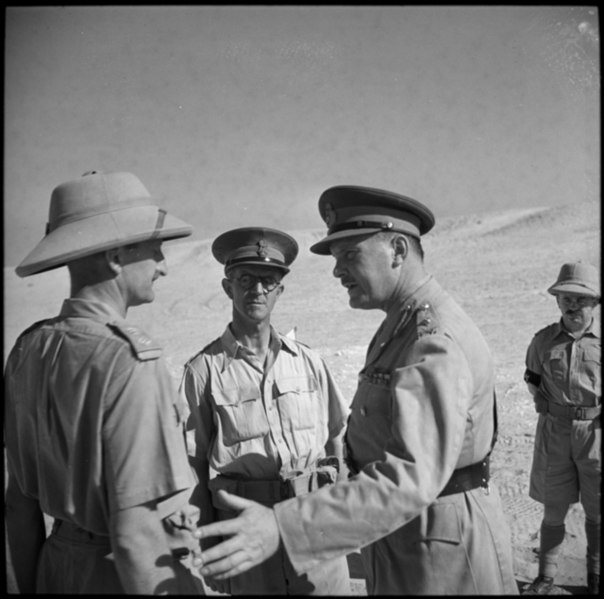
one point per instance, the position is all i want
(419, 504)
(92, 436)
(267, 418)
(563, 374)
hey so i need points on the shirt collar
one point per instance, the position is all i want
(592, 330)
(277, 342)
(93, 309)
(427, 288)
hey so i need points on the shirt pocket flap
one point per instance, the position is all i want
(301, 384)
(233, 396)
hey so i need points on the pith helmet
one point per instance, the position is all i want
(577, 277)
(350, 210)
(98, 212)
(256, 246)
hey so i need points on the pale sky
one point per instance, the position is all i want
(242, 116)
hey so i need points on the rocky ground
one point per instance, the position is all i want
(497, 264)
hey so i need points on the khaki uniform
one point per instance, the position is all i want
(424, 407)
(260, 432)
(567, 459)
(91, 428)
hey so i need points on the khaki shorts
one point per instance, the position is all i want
(567, 461)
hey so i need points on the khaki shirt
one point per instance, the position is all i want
(255, 423)
(423, 407)
(569, 369)
(91, 423)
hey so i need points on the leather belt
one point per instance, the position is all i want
(468, 478)
(574, 412)
(72, 532)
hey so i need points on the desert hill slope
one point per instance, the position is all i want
(497, 264)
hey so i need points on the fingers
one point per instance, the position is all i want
(234, 502)
(234, 564)
(215, 529)
(222, 550)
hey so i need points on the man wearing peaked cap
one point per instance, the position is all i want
(350, 211)
(266, 417)
(419, 505)
(257, 246)
(108, 464)
(564, 376)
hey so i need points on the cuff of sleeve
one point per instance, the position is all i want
(294, 537)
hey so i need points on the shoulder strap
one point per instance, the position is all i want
(143, 347)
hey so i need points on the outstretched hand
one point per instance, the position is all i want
(254, 537)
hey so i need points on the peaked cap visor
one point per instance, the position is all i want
(351, 210)
(102, 232)
(255, 246)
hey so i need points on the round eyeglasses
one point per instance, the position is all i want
(248, 281)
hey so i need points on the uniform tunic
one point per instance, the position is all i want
(91, 428)
(423, 408)
(251, 423)
(567, 459)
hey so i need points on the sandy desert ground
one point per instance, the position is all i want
(497, 264)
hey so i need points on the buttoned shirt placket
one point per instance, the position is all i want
(573, 378)
(268, 390)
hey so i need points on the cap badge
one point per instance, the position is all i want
(330, 215)
(261, 251)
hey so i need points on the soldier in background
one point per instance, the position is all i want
(563, 374)
(92, 435)
(267, 418)
(419, 504)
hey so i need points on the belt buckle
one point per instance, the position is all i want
(580, 413)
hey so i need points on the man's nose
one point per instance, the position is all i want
(162, 267)
(337, 271)
(257, 287)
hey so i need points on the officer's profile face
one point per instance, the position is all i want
(142, 263)
(577, 310)
(364, 265)
(254, 290)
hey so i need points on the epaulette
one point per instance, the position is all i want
(34, 326)
(201, 351)
(143, 347)
(425, 320)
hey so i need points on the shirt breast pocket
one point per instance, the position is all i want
(240, 414)
(592, 368)
(557, 365)
(297, 401)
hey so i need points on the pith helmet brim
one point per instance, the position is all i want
(578, 278)
(99, 212)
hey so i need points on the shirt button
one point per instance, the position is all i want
(363, 412)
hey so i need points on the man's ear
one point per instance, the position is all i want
(227, 285)
(114, 260)
(400, 246)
